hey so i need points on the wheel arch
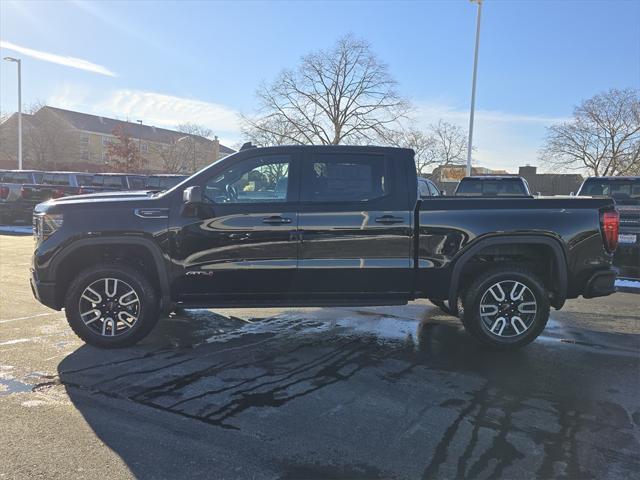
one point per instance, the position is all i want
(554, 245)
(150, 250)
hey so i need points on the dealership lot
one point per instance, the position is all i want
(398, 392)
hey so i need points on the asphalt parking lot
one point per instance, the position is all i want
(398, 392)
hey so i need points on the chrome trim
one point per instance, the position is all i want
(151, 212)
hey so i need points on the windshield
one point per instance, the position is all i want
(491, 188)
(618, 189)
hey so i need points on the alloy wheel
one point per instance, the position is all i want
(508, 309)
(109, 307)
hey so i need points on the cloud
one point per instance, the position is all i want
(502, 140)
(152, 108)
(72, 62)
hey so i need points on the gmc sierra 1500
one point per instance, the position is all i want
(319, 226)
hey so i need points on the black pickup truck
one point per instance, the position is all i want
(317, 226)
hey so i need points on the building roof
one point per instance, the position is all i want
(105, 125)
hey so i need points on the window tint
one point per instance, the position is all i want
(619, 189)
(423, 189)
(18, 177)
(491, 187)
(255, 180)
(84, 180)
(345, 178)
(136, 183)
(153, 182)
(114, 181)
(55, 179)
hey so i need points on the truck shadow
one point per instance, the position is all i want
(208, 395)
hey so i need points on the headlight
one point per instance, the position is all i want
(44, 225)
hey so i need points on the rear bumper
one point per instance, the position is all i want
(601, 284)
(45, 292)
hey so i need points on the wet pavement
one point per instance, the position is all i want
(398, 392)
(368, 394)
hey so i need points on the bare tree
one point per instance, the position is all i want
(186, 153)
(441, 144)
(423, 144)
(50, 142)
(341, 95)
(603, 137)
(271, 131)
(449, 143)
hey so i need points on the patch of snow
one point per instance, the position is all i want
(620, 282)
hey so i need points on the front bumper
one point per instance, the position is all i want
(45, 292)
(601, 284)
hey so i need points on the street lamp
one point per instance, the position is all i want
(473, 87)
(19, 62)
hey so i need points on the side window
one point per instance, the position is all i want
(434, 190)
(345, 178)
(84, 180)
(254, 180)
(423, 189)
(136, 183)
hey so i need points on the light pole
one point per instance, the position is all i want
(19, 62)
(473, 87)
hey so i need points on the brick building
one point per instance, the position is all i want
(54, 138)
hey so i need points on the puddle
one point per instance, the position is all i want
(10, 385)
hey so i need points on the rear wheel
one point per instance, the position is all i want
(506, 307)
(111, 306)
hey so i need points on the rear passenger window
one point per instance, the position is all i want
(345, 178)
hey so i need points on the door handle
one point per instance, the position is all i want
(276, 219)
(389, 219)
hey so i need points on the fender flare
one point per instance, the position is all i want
(559, 255)
(149, 245)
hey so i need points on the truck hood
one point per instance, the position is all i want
(93, 199)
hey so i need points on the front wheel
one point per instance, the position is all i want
(111, 306)
(506, 307)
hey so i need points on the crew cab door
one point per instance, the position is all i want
(242, 243)
(355, 225)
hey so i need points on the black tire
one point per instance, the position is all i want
(146, 307)
(488, 328)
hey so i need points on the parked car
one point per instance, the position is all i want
(119, 181)
(625, 191)
(15, 203)
(317, 226)
(426, 188)
(493, 186)
(163, 182)
(60, 184)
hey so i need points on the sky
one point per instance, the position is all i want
(168, 63)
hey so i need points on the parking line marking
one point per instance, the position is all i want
(28, 318)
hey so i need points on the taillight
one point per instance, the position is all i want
(610, 222)
(4, 192)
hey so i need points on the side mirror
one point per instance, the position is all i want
(572, 194)
(192, 195)
(443, 193)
